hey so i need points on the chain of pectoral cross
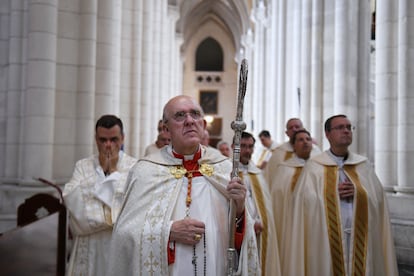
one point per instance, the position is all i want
(188, 201)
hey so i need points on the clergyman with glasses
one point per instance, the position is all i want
(259, 205)
(340, 211)
(175, 215)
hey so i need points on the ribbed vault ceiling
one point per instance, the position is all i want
(231, 14)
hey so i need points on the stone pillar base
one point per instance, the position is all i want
(409, 191)
(402, 221)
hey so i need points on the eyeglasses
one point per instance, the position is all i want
(343, 127)
(180, 116)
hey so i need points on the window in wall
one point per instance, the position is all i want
(209, 56)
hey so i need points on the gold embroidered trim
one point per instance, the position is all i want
(360, 242)
(206, 169)
(258, 194)
(295, 177)
(333, 220)
(178, 171)
(107, 215)
(288, 155)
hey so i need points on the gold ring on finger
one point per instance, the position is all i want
(197, 237)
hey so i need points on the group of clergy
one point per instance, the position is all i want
(302, 212)
(330, 209)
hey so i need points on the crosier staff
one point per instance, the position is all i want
(238, 126)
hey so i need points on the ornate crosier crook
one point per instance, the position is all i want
(238, 126)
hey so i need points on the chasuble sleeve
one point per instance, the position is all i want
(88, 214)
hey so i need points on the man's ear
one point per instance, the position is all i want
(205, 123)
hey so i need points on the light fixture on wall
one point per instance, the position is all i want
(209, 119)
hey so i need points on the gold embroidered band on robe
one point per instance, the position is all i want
(360, 223)
(333, 220)
(288, 155)
(180, 171)
(258, 194)
(295, 178)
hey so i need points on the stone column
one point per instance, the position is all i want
(305, 69)
(158, 17)
(316, 95)
(386, 94)
(295, 61)
(269, 67)
(405, 101)
(394, 120)
(281, 70)
(14, 18)
(39, 95)
(174, 70)
(125, 50)
(105, 62)
(85, 96)
(257, 66)
(137, 27)
(166, 49)
(116, 62)
(4, 62)
(362, 79)
(147, 75)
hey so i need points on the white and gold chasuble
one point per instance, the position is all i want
(156, 197)
(94, 202)
(259, 194)
(283, 153)
(284, 181)
(317, 242)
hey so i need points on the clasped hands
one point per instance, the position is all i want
(346, 189)
(109, 160)
(189, 231)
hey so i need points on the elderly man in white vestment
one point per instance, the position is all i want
(259, 204)
(284, 180)
(340, 221)
(285, 151)
(94, 196)
(175, 217)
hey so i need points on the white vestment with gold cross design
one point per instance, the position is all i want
(156, 198)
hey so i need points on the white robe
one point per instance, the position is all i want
(260, 206)
(317, 242)
(280, 154)
(94, 202)
(156, 197)
(281, 189)
(266, 154)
